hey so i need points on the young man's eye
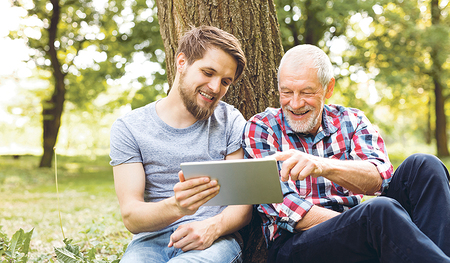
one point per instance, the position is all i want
(226, 83)
(208, 74)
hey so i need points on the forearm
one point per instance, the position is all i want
(231, 219)
(140, 216)
(315, 216)
(360, 177)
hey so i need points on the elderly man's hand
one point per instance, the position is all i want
(299, 165)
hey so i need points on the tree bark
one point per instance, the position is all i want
(52, 109)
(441, 118)
(253, 22)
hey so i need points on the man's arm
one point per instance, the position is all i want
(200, 235)
(315, 216)
(360, 177)
(139, 216)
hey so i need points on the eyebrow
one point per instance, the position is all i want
(214, 70)
(208, 68)
(306, 88)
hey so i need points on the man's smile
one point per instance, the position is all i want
(206, 95)
(300, 113)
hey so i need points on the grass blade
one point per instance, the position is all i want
(57, 193)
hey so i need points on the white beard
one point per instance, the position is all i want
(302, 126)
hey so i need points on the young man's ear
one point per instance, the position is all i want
(330, 88)
(181, 62)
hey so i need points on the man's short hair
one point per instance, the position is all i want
(196, 42)
(303, 55)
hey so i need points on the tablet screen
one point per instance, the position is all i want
(242, 181)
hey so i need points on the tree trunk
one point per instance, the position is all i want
(314, 29)
(253, 22)
(52, 109)
(428, 131)
(441, 119)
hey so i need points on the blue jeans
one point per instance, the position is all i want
(153, 248)
(410, 223)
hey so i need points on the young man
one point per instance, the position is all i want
(329, 155)
(158, 205)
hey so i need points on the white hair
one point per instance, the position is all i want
(302, 55)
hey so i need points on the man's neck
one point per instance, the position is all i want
(172, 111)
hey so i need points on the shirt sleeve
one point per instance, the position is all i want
(260, 140)
(367, 144)
(123, 146)
(236, 126)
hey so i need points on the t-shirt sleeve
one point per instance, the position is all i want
(123, 146)
(235, 129)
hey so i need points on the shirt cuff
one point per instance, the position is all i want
(292, 210)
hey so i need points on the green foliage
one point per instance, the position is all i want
(315, 21)
(408, 48)
(90, 212)
(15, 249)
(71, 254)
(96, 45)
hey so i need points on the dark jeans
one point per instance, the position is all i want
(410, 223)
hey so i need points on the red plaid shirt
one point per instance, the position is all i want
(345, 134)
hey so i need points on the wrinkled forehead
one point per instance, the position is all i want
(292, 69)
(298, 62)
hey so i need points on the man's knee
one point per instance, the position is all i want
(429, 165)
(422, 158)
(381, 203)
(384, 209)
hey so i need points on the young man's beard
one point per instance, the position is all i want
(190, 102)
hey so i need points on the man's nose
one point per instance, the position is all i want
(215, 84)
(297, 102)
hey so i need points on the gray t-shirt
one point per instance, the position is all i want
(141, 136)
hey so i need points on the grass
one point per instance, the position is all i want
(89, 208)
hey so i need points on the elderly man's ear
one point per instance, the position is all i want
(330, 88)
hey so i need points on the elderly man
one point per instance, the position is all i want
(158, 205)
(329, 156)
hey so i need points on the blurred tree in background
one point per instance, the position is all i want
(82, 47)
(408, 46)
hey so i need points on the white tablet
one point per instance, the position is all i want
(243, 181)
